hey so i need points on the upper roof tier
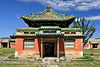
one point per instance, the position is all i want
(48, 18)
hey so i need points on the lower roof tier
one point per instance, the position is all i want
(46, 35)
(48, 31)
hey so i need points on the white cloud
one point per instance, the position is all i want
(93, 17)
(89, 18)
(81, 5)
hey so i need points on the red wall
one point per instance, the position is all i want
(20, 45)
(12, 45)
(87, 46)
(77, 45)
(37, 45)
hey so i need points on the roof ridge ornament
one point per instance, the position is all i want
(48, 8)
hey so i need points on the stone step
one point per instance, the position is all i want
(52, 65)
(50, 58)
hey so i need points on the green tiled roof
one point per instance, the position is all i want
(33, 18)
(72, 35)
(48, 14)
(24, 35)
(48, 28)
(71, 29)
(34, 35)
(26, 29)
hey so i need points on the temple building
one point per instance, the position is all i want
(48, 35)
(4, 42)
(93, 44)
(7, 42)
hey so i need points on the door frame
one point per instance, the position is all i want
(55, 49)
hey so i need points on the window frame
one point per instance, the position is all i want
(28, 45)
(73, 32)
(70, 44)
(26, 32)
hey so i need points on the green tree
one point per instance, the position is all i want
(87, 27)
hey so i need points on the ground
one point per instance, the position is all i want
(91, 59)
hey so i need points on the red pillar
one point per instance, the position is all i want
(36, 45)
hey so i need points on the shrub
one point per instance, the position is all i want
(89, 58)
(11, 57)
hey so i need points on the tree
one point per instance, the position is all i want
(87, 28)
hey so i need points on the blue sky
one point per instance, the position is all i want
(12, 10)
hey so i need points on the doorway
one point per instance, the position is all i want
(95, 45)
(4, 45)
(49, 49)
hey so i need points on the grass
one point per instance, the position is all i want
(7, 51)
(85, 59)
(88, 53)
(15, 65)
(35, 65)
(81, 65)
(91, 51)
(11, 57)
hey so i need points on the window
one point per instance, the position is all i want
(69, 43)
(26, 32)
(28, 43)
(32, 32)
(67, 32)
(73, 32)
(70, 32)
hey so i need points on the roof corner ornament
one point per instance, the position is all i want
(65, 14)
(32, 13)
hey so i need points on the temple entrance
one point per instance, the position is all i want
(4, 45)
(49, 50)
(95, 45)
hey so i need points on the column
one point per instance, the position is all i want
(8, 45)
(58, 47)
(41, 48)
(91, 46)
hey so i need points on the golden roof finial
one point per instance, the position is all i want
(48, 7)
